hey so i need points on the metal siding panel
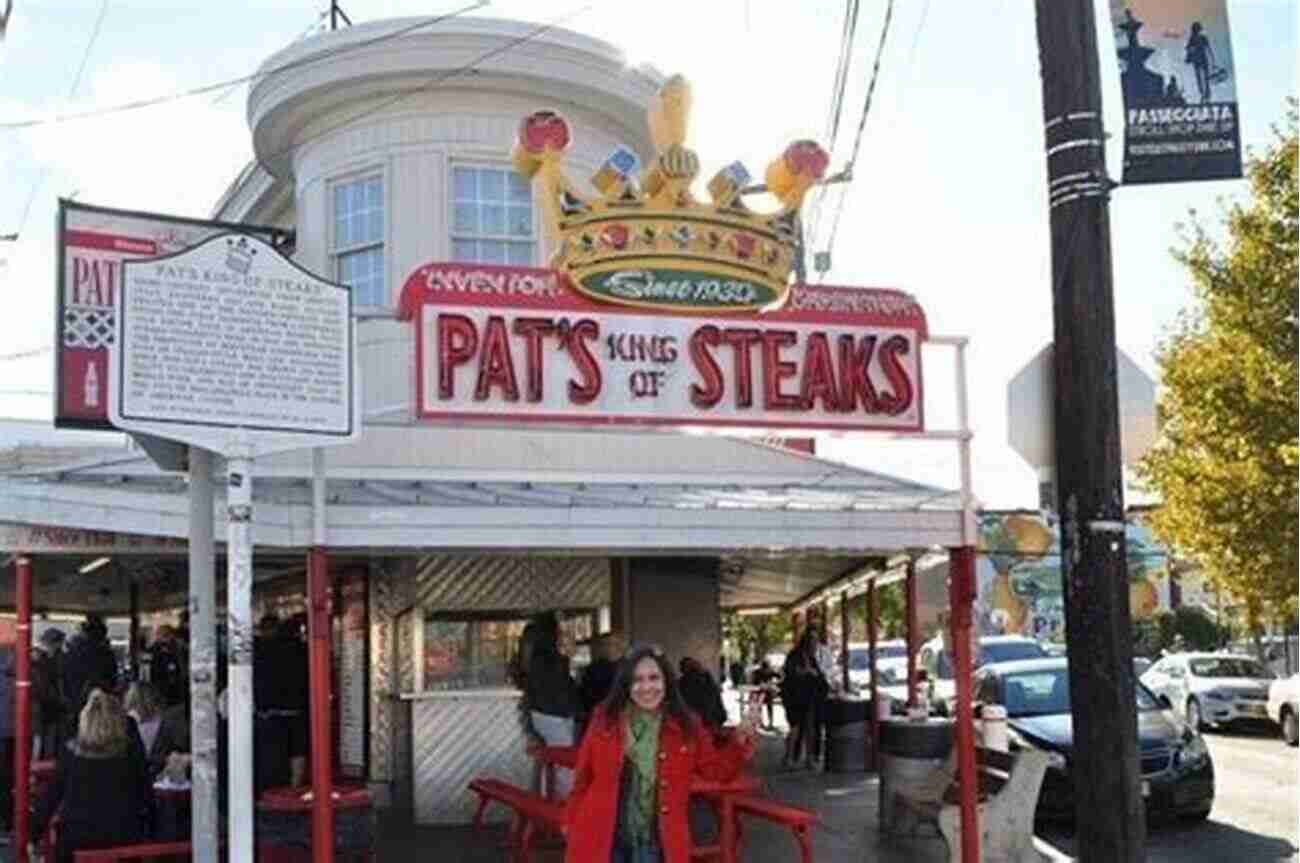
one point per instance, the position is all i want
(457, 739)
(448, 583)
(382, 677)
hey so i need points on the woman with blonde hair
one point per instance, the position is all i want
(101, 784)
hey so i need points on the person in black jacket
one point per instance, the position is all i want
(101, 783)
(701, 693)
(550, 692)
(88, 664)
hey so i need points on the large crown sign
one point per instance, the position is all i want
(646, 241)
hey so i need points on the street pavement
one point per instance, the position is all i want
(1256, 808)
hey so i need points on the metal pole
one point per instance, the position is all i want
(844, 641)
(22, 705)
(319, 635)
(912, 625)
(961, 590)
(203, 662)
(873, 612)
(239, 658)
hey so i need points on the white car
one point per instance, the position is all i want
(1284, 707)
(1212, 688)
(891, 663)
(933, 657)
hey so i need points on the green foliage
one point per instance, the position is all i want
(1184, 628)
(755, 636)
(891, 601)
(1226, 460)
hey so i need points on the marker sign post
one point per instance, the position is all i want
(231, 347)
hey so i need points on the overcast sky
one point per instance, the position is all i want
(948, 199)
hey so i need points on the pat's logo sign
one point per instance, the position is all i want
(505, 345)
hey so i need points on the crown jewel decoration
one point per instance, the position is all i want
(645, 240)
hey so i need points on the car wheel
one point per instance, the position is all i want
(1290, 727)
(1193, 714)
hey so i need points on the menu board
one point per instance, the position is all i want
(351, 669)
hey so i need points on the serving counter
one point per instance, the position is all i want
(455, 736)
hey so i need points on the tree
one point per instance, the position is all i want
(755, 635)
(1225, 463)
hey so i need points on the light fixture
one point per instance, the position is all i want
(94, 565)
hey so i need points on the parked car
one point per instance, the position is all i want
(1177, 771)
(934, 658)
(891, 662)
(1212, 688)
(1140, 665)
(1284, 707)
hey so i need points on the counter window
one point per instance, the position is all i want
(491, 217)
(476, 651)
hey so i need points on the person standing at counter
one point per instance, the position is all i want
(550, 691)
(632, 780)
(801, 685)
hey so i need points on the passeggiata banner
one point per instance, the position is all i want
(1180, 97)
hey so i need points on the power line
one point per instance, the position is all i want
(23, 355)
(208, 88)
(842, 66)
(862, 123)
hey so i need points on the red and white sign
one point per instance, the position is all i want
(93, 242)
(505, 345)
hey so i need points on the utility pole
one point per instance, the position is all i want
(1090, 488)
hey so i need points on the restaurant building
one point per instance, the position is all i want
(386, 149)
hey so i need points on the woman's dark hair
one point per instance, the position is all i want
(547, 632)
(620, 693)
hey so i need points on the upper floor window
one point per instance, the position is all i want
(491, 216)
(359, 239)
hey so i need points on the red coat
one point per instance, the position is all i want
(591, 812)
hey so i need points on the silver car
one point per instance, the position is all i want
(1212, 688)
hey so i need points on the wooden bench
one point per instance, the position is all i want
(798, 820)
(531, 813)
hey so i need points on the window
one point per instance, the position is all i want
(491, 216)
(359, 239)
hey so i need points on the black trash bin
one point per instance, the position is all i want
(846, 735)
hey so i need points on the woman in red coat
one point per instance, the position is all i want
(632, 781)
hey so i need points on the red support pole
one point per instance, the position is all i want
(320, 633)
(913, 631)
(873, 614)
(22, 706)
(961, 594)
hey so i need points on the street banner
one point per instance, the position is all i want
(92, 244)
(1180, 94)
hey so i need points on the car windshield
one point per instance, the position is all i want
(1010, 651)
(1039, 693)
(1227, 666)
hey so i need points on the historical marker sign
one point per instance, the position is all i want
(229, 341)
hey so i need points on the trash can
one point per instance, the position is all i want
(846, 735)
(909, 750)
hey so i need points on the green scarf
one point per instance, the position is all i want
(641, 749)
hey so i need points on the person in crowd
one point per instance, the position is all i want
(827, 680)
(800, 687)
(736, 673)
(280, 693)
(701, 692)
(48, 704)
(168, 666)
(7, 731)
(598, 678)
(632, 778)
(768, 680)
(89, 664)
(144, 706)
(550, 693)
(101, 783)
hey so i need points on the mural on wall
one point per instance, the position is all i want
(1018, 572)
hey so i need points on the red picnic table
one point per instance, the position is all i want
(723, 793)
(298, 800)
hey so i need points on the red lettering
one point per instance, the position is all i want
(583, 331)
(740, 341)
(496, 367)
(818, 375)
(711, 393)
(901, 398)
(855, 359)
(534, 330)
(457, 344)
(775, 370)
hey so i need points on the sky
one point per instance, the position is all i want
(948, 197)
